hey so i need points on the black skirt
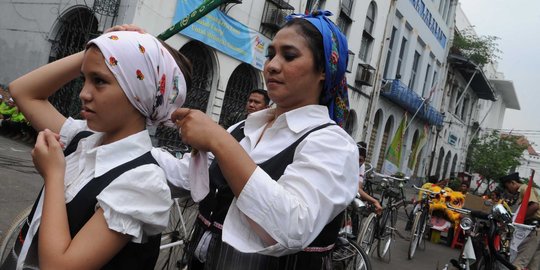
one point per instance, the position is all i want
(222, 256)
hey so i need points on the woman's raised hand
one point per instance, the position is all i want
(48, 156)
(197, 129)
(126, 27)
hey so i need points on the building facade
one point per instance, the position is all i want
(412, 66)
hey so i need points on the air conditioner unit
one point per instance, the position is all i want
(364, 74)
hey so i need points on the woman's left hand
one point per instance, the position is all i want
(197, 129)
(48, 156)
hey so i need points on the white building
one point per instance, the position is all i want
(475, 101)
(418, 35)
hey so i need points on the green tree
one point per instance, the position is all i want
(493, 155)
(480, 49)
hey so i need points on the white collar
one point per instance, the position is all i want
(114, 154)
(296, 120)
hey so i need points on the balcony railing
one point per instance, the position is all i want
(406, 98)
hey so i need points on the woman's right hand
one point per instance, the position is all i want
(198, 129)
(48, 156)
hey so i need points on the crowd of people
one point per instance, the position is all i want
(13, 124)
(271, 185)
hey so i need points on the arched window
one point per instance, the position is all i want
(242, 81)
(367, 34)
(373, 137)
(74, 29)
(203, 73)
(384, 143)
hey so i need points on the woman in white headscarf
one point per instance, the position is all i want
(105, 200)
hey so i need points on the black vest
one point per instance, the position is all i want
(215, 205)
(82, 208)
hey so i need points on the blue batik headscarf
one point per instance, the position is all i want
(334, 94)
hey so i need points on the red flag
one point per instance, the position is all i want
(520, 218)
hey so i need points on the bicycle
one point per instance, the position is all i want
(347, 254)
(368, 179)
(382, 227)
(489, 235)
(421, 218)
(10, 237)
(174, 239)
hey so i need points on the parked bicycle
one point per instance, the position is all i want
(347, 254)
(383, 227)
(489, 235)
(175, 238)
(421, 218)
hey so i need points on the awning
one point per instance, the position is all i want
(479, 84)
(508, 93)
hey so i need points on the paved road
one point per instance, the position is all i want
(20, 184)
(19, 181)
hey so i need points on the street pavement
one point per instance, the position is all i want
(19, 181)
(20, 185)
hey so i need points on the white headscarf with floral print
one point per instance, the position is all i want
(146, 71)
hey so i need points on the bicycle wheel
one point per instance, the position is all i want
(9, 238)
(417, 232)
(367, 233)
(385, 233)
(348, 255)
(360, 261)
(178, 232)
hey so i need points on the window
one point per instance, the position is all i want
(346, 7)
(389, 53)
(343, 23)
(414, 70)
(367, 35)
(274, 14)
(401, 53)
(426, 78)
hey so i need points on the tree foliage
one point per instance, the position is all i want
(493, 155)
(480, 49)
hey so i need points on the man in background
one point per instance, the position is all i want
(257, 100)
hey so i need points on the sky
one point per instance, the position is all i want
(517, 24)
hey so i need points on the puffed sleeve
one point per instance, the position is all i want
(70, 128)
(137, 202)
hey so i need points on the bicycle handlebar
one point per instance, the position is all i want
(429, 191)
(465, 211)
(369, 168)
(384, 176)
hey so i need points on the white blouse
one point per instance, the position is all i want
(320, 182)
(136, 203)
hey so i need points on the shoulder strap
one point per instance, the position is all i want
(81, 208)
(72, 146)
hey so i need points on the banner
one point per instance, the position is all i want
(393, 155)
(224, 33)
(420, 142)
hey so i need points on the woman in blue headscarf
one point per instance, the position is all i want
(281, 179)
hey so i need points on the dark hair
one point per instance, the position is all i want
(509, 178)
(263, 92)
(434, 179)
(362, 148)
(183, 63)
(313, 38)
